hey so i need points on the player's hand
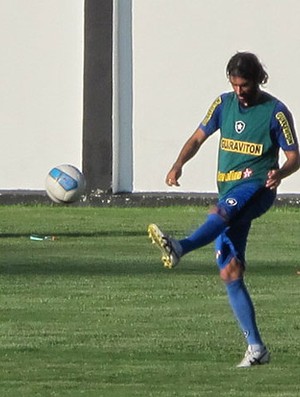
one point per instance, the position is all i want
(173, 175)
(273, 180)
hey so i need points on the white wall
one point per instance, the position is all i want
(180, 51)
(41, 74)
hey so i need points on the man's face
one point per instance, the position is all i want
(246, 90)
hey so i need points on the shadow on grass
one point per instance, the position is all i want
(129, 267)
(50, 259)
(102, 233)
(106, 268)
(275, 268)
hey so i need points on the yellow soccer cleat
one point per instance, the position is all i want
(171, 249)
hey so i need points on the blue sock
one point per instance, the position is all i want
(243, 309)
(205, 234)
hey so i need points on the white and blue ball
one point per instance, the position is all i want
(65, 184)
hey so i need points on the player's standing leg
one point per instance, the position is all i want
(230, 252)
(230, 259)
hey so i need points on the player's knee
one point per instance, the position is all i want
(219, 211)
(234, 270)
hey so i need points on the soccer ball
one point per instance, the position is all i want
(65, 184)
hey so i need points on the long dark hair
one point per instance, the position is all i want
(247, 66)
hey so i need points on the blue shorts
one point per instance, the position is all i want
(241, 205)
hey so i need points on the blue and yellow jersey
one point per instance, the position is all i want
(250, 138)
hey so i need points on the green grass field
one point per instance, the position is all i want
(95, 314)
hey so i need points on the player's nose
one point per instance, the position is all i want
(238, 90)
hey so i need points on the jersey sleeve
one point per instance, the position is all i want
(282, 128)
(212, 121)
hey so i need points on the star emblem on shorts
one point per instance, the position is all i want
(247, 173)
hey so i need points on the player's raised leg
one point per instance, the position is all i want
(172, 250)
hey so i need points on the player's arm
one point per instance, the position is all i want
(190, 148)
(207, 127)
(291, 165)
(284, 132)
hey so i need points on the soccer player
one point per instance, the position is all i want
(254, 126)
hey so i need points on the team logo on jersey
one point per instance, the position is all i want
(239, 126)
(231, 202)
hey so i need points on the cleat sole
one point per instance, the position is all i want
(159, 242)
